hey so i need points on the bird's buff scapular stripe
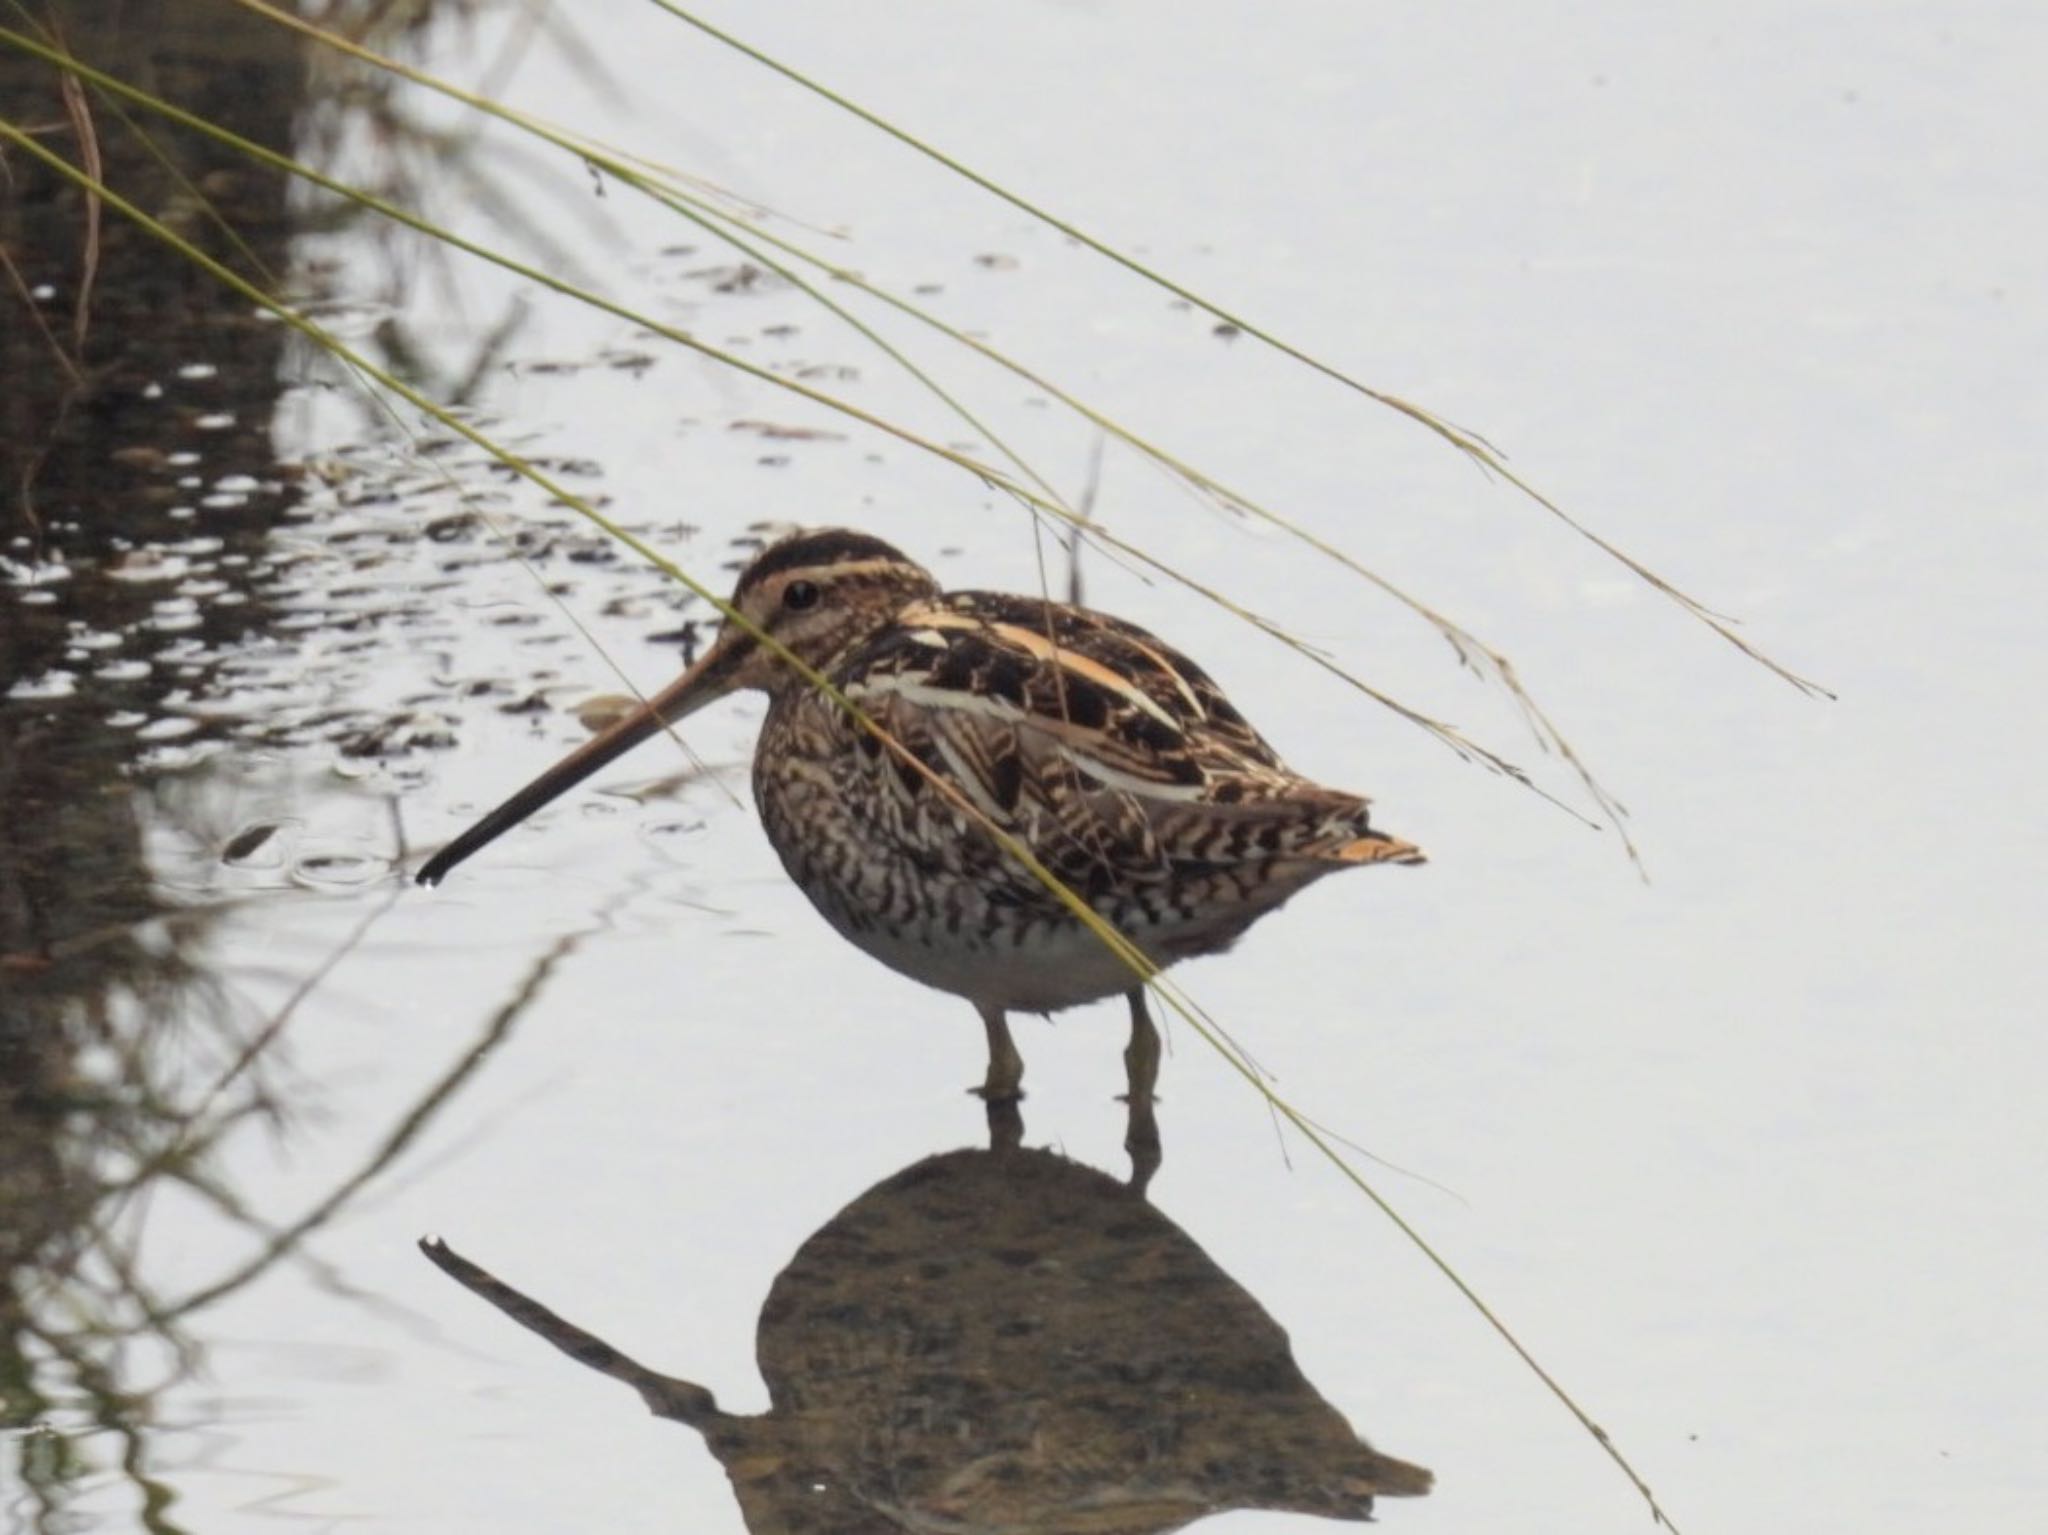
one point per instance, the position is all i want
(1041, 647)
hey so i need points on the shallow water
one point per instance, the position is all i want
(1747, 1154)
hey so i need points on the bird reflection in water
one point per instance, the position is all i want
(1006, 1340)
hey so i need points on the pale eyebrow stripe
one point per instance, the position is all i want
(832, 572)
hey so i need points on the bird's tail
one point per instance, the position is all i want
(1399, 1478)
(1376, 847)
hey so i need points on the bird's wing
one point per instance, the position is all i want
(1106, 691)
(1090, 738)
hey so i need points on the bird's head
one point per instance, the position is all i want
(816, 594)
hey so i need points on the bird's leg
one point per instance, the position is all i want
(1141, 1067)
(1005, 1066)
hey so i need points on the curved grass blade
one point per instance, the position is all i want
(1464, 746)
(1127, 951)
(1468, 443)
(1485, 660)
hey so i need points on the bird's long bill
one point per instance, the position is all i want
(710, 678)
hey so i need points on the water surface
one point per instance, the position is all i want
(1748, 1153)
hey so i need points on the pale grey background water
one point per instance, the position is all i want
(1749, 1155)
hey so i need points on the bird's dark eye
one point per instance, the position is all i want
(800, 595)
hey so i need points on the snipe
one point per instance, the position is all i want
(1116, 760)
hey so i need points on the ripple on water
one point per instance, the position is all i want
(143, 565)
(332, 866)
(168, 727)
(51, 684)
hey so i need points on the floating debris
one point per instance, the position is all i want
(245, 844)
(776, 431)
(604, 711)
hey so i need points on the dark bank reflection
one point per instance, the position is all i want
(1006, 1340)
(137, 488)
(152, 631)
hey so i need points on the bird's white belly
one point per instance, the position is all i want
(1049, 967)
(911, 881)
